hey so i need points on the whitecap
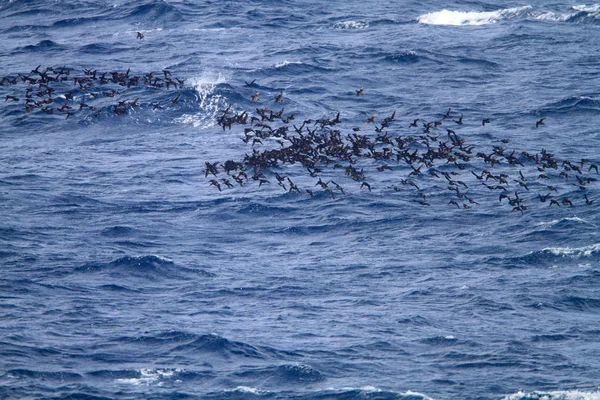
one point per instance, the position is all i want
(458, 18)
(556, 221)
(591, 9)
(149, 376)
(209, 103)
(351, 25)
(285, 63)
(248, 389)
(556, 395)
(584, 251)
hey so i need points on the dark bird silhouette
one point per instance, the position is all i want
(140, 35)
(361, 91)
(567, 202)
(485, 121)
(216, 184)
(279, 97)
(540, 122)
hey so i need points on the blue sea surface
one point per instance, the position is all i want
(130, 270)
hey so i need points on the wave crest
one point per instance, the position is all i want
(562, 395)
(458, 18)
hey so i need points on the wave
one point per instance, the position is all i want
(213, 343)
(562, 221)
(557, 395)
(42, 46)
(150, 376)
(550, 255)
(344, 25)
(346, 393)
(286, 373)
(407, 57)
(576, 252)
(147, 267)
(579, 14)
(210, 101)
(573, 104)
(458, 18)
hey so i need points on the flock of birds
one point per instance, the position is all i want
(430, 161)
(64, 91)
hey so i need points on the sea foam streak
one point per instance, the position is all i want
(457, 18)
(558, 395)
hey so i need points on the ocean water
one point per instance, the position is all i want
(457, 260)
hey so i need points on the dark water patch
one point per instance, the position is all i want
(578, 303)
(117, 288)
(75, 22)
(440, 341)
(582, 104)
(552, 338)
(408, 57)
(49, 375)
(134, 245)
(103, 48)
(416, 320)
(219, 345)
(150, 267)
(479, 62)
(118, 231)
(40, 47)
(283, 374)
(152, 12)
(7, 254)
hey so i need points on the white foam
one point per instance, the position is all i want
(556, 221)
(591, 9)
(351, 25)
(552, 16)
(458, 18)
(594, 10)
(149, 376)
(585, 251)
(557, 395)
(210, 104)
(248, 389)
(286, 63)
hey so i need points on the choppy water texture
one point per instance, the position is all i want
(126, 274)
